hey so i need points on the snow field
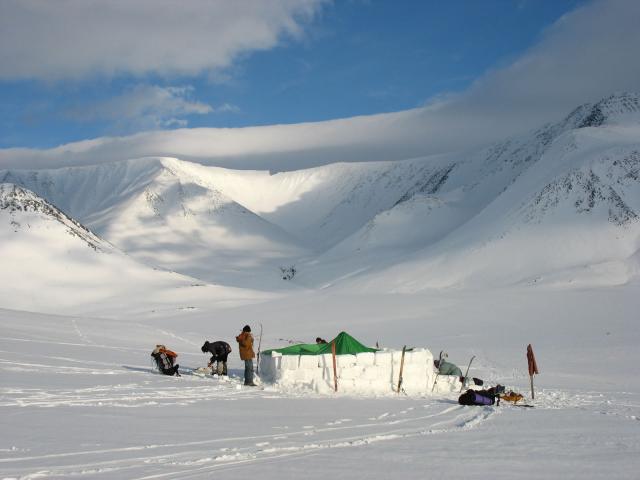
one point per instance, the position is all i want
(365, 373)
(78, 398)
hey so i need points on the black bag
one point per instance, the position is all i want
(477, 397)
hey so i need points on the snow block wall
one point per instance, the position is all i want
(362, 374)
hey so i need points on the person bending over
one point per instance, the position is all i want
(219, 352)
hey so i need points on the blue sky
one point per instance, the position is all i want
(311, 61)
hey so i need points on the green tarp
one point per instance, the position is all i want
(345, 344)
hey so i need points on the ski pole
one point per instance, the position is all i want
(335, 370)
(259, 346)
(464, 379)
(404, 349)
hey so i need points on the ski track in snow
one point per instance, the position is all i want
(193, 458)
(201, 458)
(174, 336)
(198, 458)
(84, 338)
(86, 384)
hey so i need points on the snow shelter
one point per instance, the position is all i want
(360, 369)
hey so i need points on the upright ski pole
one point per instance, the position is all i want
(259, 346)
(442, 355)
(404, 349)
(335, 370)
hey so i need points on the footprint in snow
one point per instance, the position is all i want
(262, 444)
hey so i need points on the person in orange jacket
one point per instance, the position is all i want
(245, 342)
(165, 360)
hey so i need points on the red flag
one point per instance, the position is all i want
(533, 367)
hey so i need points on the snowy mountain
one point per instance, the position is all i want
(168, 213)
(25, 210)
(569, 215)
(49, 259)
(518, 211)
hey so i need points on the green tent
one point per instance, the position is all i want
(345, 344)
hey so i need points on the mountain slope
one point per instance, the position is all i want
(50, 262)
(571, 218)
(500, 215)
(435, 207)
(165, 213)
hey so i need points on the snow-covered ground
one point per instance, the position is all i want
(79, 396)
(534, 240)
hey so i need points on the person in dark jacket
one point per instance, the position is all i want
(245, 341)
(165, 360)
(320, 341)
(219, 352)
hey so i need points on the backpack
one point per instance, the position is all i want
(512, 397)
(164, 357)
(165, 350)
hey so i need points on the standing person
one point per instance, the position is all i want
(219, 352)
(245, 342)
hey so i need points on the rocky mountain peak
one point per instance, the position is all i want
(604, 111)
(15, 200)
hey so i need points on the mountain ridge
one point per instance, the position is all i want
(348, 220)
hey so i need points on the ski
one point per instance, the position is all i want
(464, 379)
(202, 372)
(440, 357)
(258, 356)
(404, 349)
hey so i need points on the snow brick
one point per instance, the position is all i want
(383, 359)
(343, 361)
(308, 362)
(365, 359)
(290, 362)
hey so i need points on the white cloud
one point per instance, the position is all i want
(227, 108)
(77, 38)
(587, 55)
(144, 107)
